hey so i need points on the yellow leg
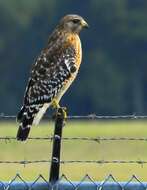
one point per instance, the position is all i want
(55, 104)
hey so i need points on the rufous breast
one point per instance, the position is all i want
(75, 41)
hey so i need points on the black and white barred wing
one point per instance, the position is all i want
(50, 78)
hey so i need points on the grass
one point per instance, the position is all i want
(78, 150)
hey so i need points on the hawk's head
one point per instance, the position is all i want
(73, 23)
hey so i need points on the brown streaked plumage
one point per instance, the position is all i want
(52, 73)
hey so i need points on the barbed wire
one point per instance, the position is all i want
(94, 139)
(26, 162)
(90, 116)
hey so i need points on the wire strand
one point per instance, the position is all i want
(25, 162)
(90, 116)
(95, 139)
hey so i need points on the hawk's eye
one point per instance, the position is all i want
(75, 21)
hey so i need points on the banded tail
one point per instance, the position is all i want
(27, 117)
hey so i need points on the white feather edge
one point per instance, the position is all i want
(40, 114)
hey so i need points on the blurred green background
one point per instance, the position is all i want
(112, 79)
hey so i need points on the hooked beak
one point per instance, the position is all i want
(84, 24)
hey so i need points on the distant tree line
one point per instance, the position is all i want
(113, 76)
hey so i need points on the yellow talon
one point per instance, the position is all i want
(64, 113)
(63, 110)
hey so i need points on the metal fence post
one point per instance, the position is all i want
(55, 161)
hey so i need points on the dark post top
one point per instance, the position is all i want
(55, 161)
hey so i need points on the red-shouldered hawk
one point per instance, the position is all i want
(53, 72)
